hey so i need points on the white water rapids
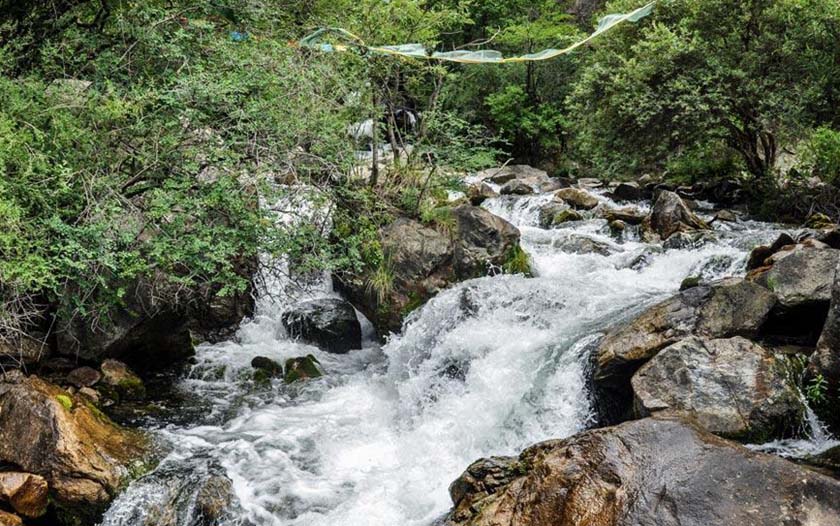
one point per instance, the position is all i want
(485, 368)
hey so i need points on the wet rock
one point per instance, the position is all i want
(731, 307)
(804, 276)
(84, 377)
(479, 193)
(329, 323)
(628, 192)
(759, 254)
(26, 493)
(423, 261)
(533, 177)
(733, 387)
(194, 492)
(91, 394)
(826, 358)
(516, 187)
(658, 471)
(682, 240)
(485, 477)
(555, 213)
(10, 519)
(590, 182)
(302, 368)
(689, 283)
(617, 227)
(577, 244)
(670, 215)
(482, 239)
(268, 366)
(725, 216)
(631, 216)
(828, 460)
(577, 198)
(83, 456)
(124, 381)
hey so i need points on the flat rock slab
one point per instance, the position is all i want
(661, 471)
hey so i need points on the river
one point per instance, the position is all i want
(485, 368)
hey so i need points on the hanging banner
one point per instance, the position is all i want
(487, 56)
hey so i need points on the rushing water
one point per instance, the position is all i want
(485, 368)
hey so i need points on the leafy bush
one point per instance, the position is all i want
(821, 154)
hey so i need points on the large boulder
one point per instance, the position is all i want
(420, 261)
(576, 198)
(826, 358)
(329, 323)
(84, 457)
(731, 307)
(661, 471)
(534, 178)
(628, 192)
(479, 193)
(670, 215)
(801, 276)
(734, 388)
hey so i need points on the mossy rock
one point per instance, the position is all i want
(517, 262)
(690, 282)
(302, 368)
(565, 216)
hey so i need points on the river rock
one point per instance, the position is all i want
(555, 213)
(803, 276)
(576, 198)
(482, 240)
(826, 358)
(627, 192)
(725, 216)
(25, 492)
(759, 254)
(123, 380)
(534, 177)
(421, 261)
(84, 377)
(10, 519)
(479, 193)
(83, 456)
(516, 187)
(302, 368)
(733, 387)
(631, 216)
(268, 366)
(722, 309)
(670, 215)
(329, 323)
(661, 471)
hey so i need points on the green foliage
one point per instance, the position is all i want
(746, 74)
(821, 154)
(517, 262)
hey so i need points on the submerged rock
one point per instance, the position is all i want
(329, 323)
(670, 215)
(657, 471)
(84, 457)
(26, 493)
(302, 368)
(733, 387)
(577, 198)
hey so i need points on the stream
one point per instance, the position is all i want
(487, 367)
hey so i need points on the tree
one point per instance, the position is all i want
(743, 75)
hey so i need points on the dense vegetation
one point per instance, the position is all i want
(137, 138)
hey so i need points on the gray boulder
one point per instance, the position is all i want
(482, 239)
(479, 193)
(733, 387)
(329, 323)
(731, 307)
(826, 358)
(670, 215)
(627, 192)
(801, 276)
(661, 471)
